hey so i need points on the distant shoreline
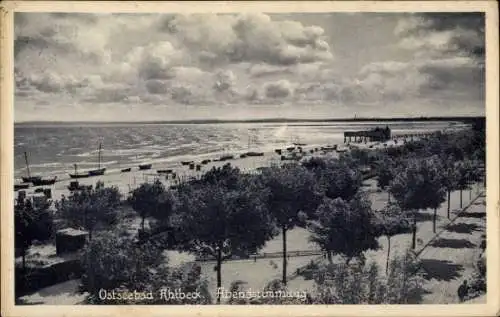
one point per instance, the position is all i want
(269, 120)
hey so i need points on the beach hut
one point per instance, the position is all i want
(70, 240)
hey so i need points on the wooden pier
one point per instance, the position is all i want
(377, 134)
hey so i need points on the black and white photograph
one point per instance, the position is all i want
(250, 157)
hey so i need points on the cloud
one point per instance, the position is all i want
(278, 90)
(455, 34)
(224, 80)
(215, 60)
(248, 38)
(156, 86)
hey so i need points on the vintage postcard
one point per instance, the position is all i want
(250, 158)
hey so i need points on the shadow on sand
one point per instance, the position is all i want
(463, 228)
(441, 270)
(466, 214)
(452, 243)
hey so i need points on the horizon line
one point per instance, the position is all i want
(262, 120)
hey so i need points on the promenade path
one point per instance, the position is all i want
(450, 257)
(447, 256)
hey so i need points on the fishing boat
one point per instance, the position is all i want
(296, 141)
(78, 175)
(251, 153)
(29, 178)
(255, 154)
(143, 167)
(20, 186)
(164, 171)
(125, 170)
(329, 148)
(99, 171)
(226, 158)
(44, 181)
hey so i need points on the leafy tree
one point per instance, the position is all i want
(145, 199)
(474, 175)
(226, 176)
(416, 187)
(113, 261)
(450, 182)
(30, 224)
(223, 223)
(291, 190)
(90, 208)
(337, 177)
(434, 179)
(465, 171)
(385, 174)
(390, 222)
(346, 228)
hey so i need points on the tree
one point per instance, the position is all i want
(464, 171)
(450, 182)
(434, 179)
(145, 199)
(114, 261)
(291, 189)
(226, 176)
(90, 208)
(390, 222)
(223, 222)
(30, 224)
(385, 174)
(346, 228)
(341, 179)
(417, 187)
(474, 175)
(337, 177)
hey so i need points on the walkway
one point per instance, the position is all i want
(450, 257)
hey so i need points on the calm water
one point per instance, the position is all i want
(53, 149)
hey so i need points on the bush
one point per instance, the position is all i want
(115, 262)
(478, 284)
(360, 284)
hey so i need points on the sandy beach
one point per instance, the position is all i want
(128, 181)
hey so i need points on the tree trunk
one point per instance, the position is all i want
(90, 235)
(284, 254)
(461, 199)
(142, 222)
(219, 272)
(434, 221)
(389, 197)
(329, 256)
(388, 254)
(470, 194)
(414, 235)
(449, 198)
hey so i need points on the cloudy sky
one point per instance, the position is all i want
(233, 66)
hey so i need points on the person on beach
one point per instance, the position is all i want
(462, 291)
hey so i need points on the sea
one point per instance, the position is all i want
(53, 148)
